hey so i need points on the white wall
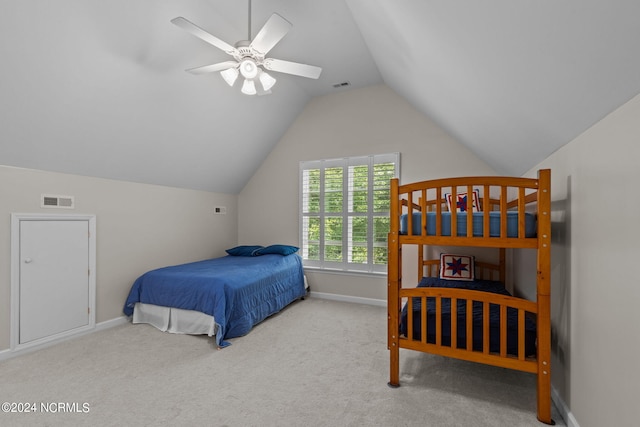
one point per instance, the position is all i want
(139, 227)
(595, 289)
(372, 120)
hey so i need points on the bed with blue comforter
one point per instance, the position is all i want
(238, 291)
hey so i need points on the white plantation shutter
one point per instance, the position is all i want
(344, 212)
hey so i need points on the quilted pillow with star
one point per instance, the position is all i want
(457, 267)
(462, 203)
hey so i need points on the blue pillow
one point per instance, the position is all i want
(276, 249)
(243, 250)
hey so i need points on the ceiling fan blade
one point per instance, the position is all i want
(203, 35)
(304, 70)
(213, 67)
(271, 33)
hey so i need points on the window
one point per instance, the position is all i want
(344, 212)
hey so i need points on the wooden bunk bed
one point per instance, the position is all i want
(503, 213)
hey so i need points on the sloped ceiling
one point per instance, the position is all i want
(512, 80)
(98, 88)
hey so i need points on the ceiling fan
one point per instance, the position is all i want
(249, 56)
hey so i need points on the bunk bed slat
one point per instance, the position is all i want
(503, 331)
(410, 317)
(454, 322)
(470, 201)
(486, 208)
(521, 314)
(452, 210)
(423, 320)
(438, 321)
(469, 321)
(438, 211)
(503, 211)
(521, 213)
(410, 216)
(423, 208)
(485, 327)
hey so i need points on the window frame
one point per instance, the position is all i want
(347, 215)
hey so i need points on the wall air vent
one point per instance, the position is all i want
(53, 201)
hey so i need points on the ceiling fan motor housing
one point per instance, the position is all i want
(245, 49)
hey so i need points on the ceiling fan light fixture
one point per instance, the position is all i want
(230, 75)
(267, 80)
(248, 87)
(248, 68)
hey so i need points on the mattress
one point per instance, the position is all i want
(477, 334)
(238, 292)
(478, 224)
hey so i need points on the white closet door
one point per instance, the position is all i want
(54, 277)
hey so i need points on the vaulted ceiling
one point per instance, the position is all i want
(98, 88)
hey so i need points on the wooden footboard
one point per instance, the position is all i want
(502, 303)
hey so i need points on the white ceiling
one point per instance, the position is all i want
(98, 88)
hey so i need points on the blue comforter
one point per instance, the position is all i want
(238, 292)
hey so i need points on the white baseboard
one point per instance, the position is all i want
(565, 412)
(5, 354)
(111, 323)
(348, 298)
(9, 353)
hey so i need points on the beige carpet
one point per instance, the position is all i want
(317, 363)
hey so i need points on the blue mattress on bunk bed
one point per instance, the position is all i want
(478, 224)
(237, 291)
(494, 318)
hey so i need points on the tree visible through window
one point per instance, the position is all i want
(344, 212)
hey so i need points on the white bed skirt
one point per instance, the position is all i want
(177, 320)
(174, 320)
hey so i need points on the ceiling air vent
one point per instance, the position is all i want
(52, 201)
